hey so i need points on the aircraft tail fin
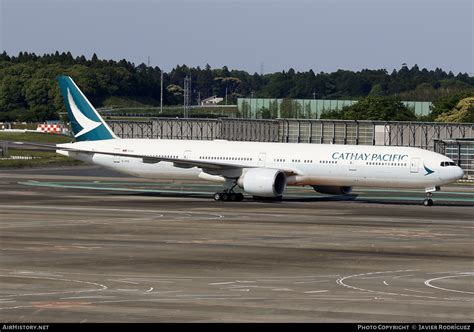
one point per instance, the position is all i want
(86, 123)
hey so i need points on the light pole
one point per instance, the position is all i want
(161, 97)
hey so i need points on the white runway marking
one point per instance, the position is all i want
(345, 299)
(309, 282)
(18, 307)
(125, 281)
(87, 297)
(100, 286)
(222, 283)
(168, 292)
(279, 286)
(37, 273)
(316, 291)
(341, 281)
(244, 286)
(447, 272)
(428, 283)
(403, 276)
(70, 208)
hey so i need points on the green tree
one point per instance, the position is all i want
(273, 109)
(335, 114)
(204, 81)
(379, 108)
(23, 86)
(446, 104)
(288, 108)
(377, 90)
(11, 96)
(264, 113)
(37, 92)
(42, 113)
(462, 112)
(307, 111)
(245, 110)
(228, 86)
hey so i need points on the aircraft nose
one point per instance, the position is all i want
(458, 172)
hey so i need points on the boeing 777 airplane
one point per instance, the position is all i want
(259, 169)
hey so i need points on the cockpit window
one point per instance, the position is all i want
(447, 163)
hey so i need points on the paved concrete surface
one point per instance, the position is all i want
(84, 245)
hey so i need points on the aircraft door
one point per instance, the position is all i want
(352, 166)
(261, 159)
(187, 154)
(116, 158)
(414, 165)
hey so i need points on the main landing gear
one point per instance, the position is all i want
(228, 196)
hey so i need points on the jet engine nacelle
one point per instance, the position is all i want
(333, 190)
(263, 182)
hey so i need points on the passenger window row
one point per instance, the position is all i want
(307, 161)
(385, 164)
(225, 158)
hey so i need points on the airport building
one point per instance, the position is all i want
(311, 108)
(461, 151)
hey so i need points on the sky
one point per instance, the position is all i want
(251, 35)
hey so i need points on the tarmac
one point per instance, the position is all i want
(82, 244)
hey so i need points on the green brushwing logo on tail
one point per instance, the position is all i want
(428, 171)
(86, 123)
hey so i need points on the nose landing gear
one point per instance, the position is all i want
(428, 201)
(429, 194)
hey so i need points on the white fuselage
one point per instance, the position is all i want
(310, 164)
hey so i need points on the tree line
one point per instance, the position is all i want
(29, 90)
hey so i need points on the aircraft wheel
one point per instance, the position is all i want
(240, 197)
(217, 196)
(225, 196)
(233, 197)
(428, 202)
